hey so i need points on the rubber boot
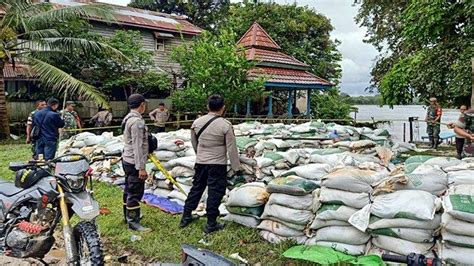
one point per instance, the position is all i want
(133, 221)
(124, 213)
(210, 228)
(187, 219)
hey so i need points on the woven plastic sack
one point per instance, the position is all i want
(351, 199)
(335, 212)
(319, 223)
(458, 240)
(342, 234)
(248, 221)
(282, 213)
(456, 255)
(279, 229)
(306, 202)
(400, 246)
(463, 177)
(309, 171)
(410, 234)
(248, 195)
(246, 211)
(351, 179)
(354, 250)
(276, 239)
(456, 226)
(379, 223)
(460, 202)
(291, 185)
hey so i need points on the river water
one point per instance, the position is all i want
(399, 115)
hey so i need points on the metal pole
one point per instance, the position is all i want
(404, 132)
(410, 119)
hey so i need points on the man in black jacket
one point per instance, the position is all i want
(48, 122)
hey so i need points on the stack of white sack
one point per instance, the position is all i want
(271, 164)
(182, 169)
(289, 210)
(458, 219)
(401, 222)
(169, 150)
(245, 204)
(344, 192)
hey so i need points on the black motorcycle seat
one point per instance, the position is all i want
(8, 188)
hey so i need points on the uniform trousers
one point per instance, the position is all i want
(134, 187)
(214, 177)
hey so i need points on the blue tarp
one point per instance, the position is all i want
(162, 203)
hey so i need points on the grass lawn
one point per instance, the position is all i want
(163, 244)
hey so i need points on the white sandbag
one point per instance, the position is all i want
(114, 147)
(248, 195)
(458, 240)
(169, 146)
(83, 135)
(335, 212)
(378, 223)
(78, 144)
(459, 202)
(400, 246)
(182, 171)
(410, 204)
(165, 155)
(342, 234)
(248, 161)
(456, 226)
(187, 162)
(310, 171)
(301, 217)
(443, 161)
(410, 234)
(280, 144)
(161, 184)
(457, 255)
(463, 177)
(351, 199)
(351, 179)
(331, 159)
(244, 220)
(306, 202)
(319, 223)
(263, 162)
(424, 177)
(187, 181)
(93, 140)
(292, 185)
(362, 144)
(354, 250)
(161, 192)
(174, 194)
(279, 229)
(276, 239)
(297, 227)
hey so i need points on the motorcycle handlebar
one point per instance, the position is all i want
(394, 258)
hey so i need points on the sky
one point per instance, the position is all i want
(358, 57)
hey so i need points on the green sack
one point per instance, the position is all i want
(325, 256)
(247, 211)
(291, 185)
(418, 159)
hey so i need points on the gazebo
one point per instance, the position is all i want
(282, 72)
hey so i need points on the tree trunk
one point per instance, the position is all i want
(4, 123)
(472, 83)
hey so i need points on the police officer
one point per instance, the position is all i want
(213, 140)
(464, 127)
(134, 158)
(433, 119)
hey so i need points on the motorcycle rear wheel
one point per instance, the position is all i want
(89, 248)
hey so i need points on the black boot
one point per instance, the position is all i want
(133, 221)
(125, 213)
(213, 227)
(187, 219)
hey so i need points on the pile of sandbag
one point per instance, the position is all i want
(401, 222)
(344, 192)
(245, 204)
(458, 219)
(289, 209)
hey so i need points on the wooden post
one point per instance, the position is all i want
(178, 118)
(270, 104)
(248, 109)
(308, 104)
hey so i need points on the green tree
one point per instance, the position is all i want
(300, 31)
(330, 105)
(203, 13)
(213, 64)
(27, 31)
(426, 48)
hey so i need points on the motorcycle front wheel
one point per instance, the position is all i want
(88, 244)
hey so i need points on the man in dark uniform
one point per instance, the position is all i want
(134, 158)
(213, 140)
(464, 127)
(433, 119)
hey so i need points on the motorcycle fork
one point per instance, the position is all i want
(69, 243)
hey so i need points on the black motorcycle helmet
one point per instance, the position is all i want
(25, 178)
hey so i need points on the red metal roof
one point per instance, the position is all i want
(289, 76)
(143, 18)
(272, 57)
(256, 36)
(19, 72)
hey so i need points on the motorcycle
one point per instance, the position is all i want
(33, 206)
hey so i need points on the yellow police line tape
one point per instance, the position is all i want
(162, 169)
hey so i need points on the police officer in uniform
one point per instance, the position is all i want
(464, 127)
(213, 140)
(134, 158)
(433, 118)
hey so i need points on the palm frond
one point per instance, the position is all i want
(40, 34)
(60, 14)
(78, 45)
(59, 81)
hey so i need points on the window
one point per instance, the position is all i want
(160, 45)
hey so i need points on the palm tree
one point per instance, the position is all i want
(27, 34)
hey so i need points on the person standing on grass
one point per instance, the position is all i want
(464, 127)
(160, 116)
(48, 122)
(40, 104)
(134, 159)
(459, 139)
(71, 120)
(433, 119)
(213, 140)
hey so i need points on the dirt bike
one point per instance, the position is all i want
(33, 206)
